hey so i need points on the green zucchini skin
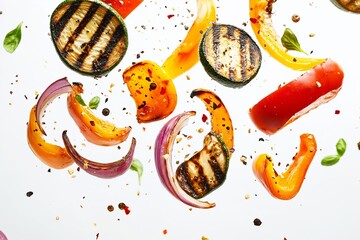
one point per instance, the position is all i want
(89, 36)
(229, 55)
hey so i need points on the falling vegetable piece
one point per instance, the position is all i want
(12, 39)
(296, 98)
(124, 7)
(152, 89)
(221, 122)
(94, 129)
(137, 166)
(163, 159)
(151, 85)
(229, 55)
(52, 155)
(101, 170)
(89, 36)
(347, 5)
(261, 23)
(335, 158)
(186, 55)
(286, 186)
(206, 170)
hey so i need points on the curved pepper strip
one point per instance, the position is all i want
(151, 85)
(123, 7)
(221, 122)
(288, 184)
(95, 130)
(186, 55)
(261, 23)
(52, 155)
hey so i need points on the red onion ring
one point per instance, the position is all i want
(163, 159)
(101, 170)
(54, 90)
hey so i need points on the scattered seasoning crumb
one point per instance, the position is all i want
(358, 144)
(105, 111)
(165, 231)
(257, 222)
(97, 236)
(247, 196)
(122, 206)
(243, 159)
(110, 208)
(311, 34)
(204, 238)
(57, 218)
(29, 193)
(337, 111)
(70, 171)
(295, 18)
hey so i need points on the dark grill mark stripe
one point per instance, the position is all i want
(58, 27)
(243, 49)
(216, 44)
(100, 63)
(95, 38)
(92, 10)
(218, 173)
(230, 35)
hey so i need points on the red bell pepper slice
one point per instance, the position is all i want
(124, 7)
(296, 98)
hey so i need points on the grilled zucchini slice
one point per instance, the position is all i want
(89, 36)
(229, 55)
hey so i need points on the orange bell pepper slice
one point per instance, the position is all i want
(152, 89)
(52, 155)
(288, 184)
(95, 130)
(186, 55)
(261, 23)
(221, 122)
(124, 7)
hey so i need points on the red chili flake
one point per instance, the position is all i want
(162, 91)
(253, 20)
(97, 236)
(208, 101)
(127, 210)
(170, 16)
(165, 231)
(337, 111)
(150, 73)
(204, 118)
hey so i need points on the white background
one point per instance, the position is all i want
(66, 206)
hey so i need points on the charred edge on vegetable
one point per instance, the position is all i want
(197, 178)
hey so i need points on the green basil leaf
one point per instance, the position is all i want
(137, 166)
(12, 39)
(341, 147)
(330, 160)
(290, 41)
(94, 102)
(80, 100)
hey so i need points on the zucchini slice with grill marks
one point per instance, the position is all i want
(206, 170)
(89, 36)
(229, 55)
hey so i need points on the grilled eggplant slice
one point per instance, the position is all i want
(229, 55)
(89, 36)
(206, 170)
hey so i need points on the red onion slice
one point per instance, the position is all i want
(163, 159)
(101, 170)
(2, 236)
(54, 90)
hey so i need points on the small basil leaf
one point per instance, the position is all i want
(94, 102)
(80, 100)
(290, 41)
(137, 166)
(12, 39)
(330, 160)
(341, 147)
